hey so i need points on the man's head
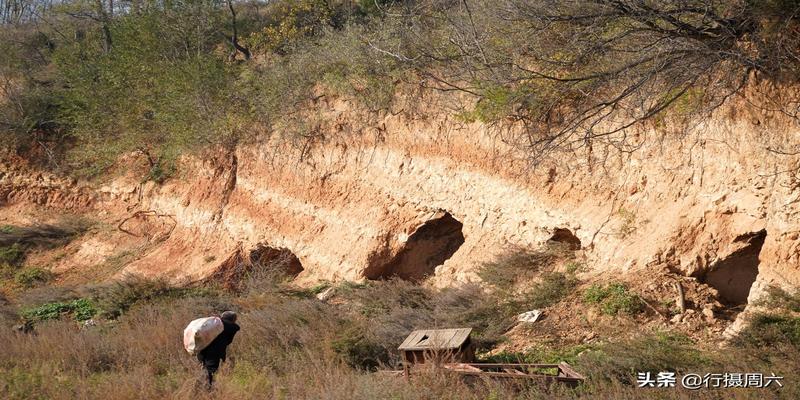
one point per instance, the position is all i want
(228, 316)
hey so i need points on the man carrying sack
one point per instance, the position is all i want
(210, 355)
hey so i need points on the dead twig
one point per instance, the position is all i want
(146, 214)
(650, 306)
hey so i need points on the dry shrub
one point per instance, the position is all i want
(46, 294)
(115, 298)
(520, 265)
(392, 309)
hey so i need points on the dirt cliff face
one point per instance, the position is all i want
(433, 198)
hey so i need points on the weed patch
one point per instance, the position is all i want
(660, 351)
(115, 299)
(80, 310)
(614, 299)
(768, 329)
(541, 355)
(30, 277)
(521, 265)
(780, 325)
(12, 254)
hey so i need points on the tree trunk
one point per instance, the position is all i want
(235, 37)
(105, 20)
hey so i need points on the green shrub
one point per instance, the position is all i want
(614, 299)
(157, 92)
(496, 102)
(573, 268)
(594, 294)
(29, 277)
(358, 351)
(161, 171)
(80, 309)
(290, 22)
(12, 254)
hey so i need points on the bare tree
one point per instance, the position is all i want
(23, 11)
(573, 72)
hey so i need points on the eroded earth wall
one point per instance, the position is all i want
(374, 190)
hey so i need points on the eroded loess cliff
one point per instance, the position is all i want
(430, 197)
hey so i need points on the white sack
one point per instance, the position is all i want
(200, 332)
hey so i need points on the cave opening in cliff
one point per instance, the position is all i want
(734, 275)
(566, 238)
(275, 259)
(428, 247)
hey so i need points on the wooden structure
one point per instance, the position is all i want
(522, 373)
(438, 345)
(454, 351)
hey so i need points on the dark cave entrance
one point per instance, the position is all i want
(277, 259)
(262, 262)
(431, 244)
(734, 275)
(565, 237)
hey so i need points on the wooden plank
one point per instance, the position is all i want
(545, 378)
(514, 371)
(511, 365)
(450, 341)
(569, 371)
(461, 367)
(438, 339)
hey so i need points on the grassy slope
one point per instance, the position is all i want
(295, 346)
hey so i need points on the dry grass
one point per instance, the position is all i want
(293, 346)
(283, 351)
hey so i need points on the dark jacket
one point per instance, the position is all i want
(216, 349)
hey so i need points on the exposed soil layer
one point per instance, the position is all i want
(361, 201)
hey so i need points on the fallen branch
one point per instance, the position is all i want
(654, 309)
(146, 214)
